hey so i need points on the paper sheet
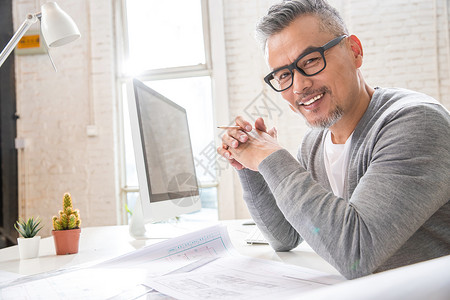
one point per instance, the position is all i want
(202, 264)
(124, 274)
(7, 277)
(242, 278)
(210, 242)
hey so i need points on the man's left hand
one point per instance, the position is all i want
(260, 144)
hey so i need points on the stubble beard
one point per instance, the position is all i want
(324, 123)
(332, 117)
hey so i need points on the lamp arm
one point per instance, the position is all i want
(29, 20)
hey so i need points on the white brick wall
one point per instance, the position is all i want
(406, 44)
(400, 49)
(55, 110)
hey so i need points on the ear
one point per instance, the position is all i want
(355, 45)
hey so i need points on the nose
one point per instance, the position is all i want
(300, 82)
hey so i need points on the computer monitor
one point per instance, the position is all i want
(165, 166)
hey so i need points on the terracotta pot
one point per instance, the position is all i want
(66, 241)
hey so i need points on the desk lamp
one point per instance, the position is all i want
(57, 28)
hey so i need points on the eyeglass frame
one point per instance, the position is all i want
(293, 66)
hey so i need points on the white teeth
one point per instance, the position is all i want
(313, 100)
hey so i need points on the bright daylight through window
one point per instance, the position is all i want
(168, 50)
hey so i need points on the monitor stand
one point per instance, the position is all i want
(137, 224)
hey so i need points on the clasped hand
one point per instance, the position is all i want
(247, 148)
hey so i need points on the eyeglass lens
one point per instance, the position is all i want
(310, 64)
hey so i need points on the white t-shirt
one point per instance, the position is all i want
(336, 161)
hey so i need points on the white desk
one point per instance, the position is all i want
(427, 280)
(102, 243)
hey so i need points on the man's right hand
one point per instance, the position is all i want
(234, 137)
(237, 136)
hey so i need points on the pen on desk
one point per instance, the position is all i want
(229, 127)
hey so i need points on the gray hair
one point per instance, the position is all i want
(281, 15)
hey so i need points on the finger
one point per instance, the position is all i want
(234, 134)
(259, 124)
(224, 152)
(229, 141)
(228, 152)
(234, 163)
(243, 123)
(273, 133)
(238, 166)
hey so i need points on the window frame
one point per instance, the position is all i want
(213, 33)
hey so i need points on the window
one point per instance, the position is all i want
(171, 31)
(165, 44)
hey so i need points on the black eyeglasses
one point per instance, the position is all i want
(308, 64)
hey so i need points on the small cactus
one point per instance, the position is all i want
(69, 218)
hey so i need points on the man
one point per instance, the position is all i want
(370, 189)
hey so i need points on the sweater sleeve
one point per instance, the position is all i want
(265, 212)
(405, 183)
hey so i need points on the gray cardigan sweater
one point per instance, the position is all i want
(396, 208)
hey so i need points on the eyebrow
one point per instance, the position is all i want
(307, 50)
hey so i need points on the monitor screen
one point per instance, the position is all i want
(164, 161)
(166, 146)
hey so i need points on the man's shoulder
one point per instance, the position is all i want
(392, 101)
(397, 111)
(401, 97)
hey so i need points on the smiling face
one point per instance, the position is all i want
(333, 95)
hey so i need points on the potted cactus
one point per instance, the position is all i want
(66, 228)
(29, 242)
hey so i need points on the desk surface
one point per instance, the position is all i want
(102, 243)
(427, 280)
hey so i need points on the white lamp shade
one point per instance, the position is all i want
(57, 27)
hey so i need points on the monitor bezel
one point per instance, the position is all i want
(160, 210)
